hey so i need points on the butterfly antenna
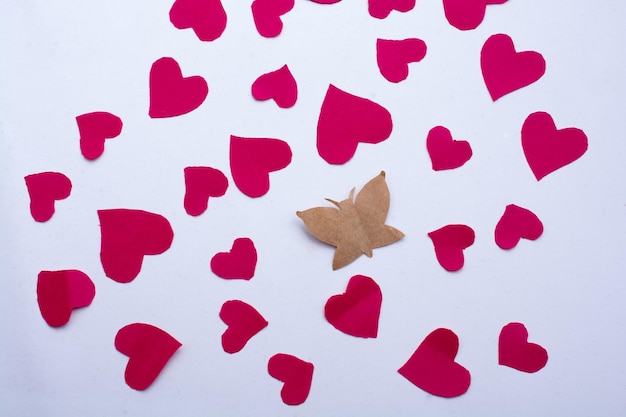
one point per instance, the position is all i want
(332, 201)
(351, 197)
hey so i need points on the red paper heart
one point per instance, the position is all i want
(295, 374)
(449, 242)
(94, 128)
(267, 13)
(517, 223)
(445, 152)
(148, 349)
(345, 121)
(239, 263)
(128, 235)
(278, 85)
(515, 352)
(200, 184)
(505, 70)
(59, 292)
(207, 18)
(394, 56)
(548, 149)
(467, 14)
(380, 9)
(171, 94)
(252, 159)
(243, 322)
(44, 189)
(432, 366)
(356, 311)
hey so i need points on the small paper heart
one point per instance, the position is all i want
(380, 9)
(295, 374)
(467, 14)
(171, 94)
(94, 128)
(445, 152)
(450, 241)
(201, 183)
(267, 16)
(516, 352)
(278, 85)
(206, 18)
(394, 56)
(239, 263)
(356, 312)
(44, 189)
(517, 223)
(243, 322)
(59, 292)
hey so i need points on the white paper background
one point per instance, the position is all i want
(65, 58)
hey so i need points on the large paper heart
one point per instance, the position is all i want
(394, 56)
(467, 14)
(44, 189)
(356, 311)
(445, 152)
(450, 241)
(171, 94)
(345, 121)
(94, 128)
(206, 18)
(148, 349)
(505, 70)
(380, 9)
(516, 352)
(129, 235)
(267, 13)
(239, 263)
(548, 149)
(59, 292)
(252, 160)
(517, 223)
(243, 322)
(432, 366)
(295, 374)
(201, 183)
(278, 85)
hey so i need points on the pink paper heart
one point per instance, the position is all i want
(356, 312)
(445, 152)
(206, 18)
(516, 352)
(267, 14)
(517, 223)
(295, 374)
(467, 14)
(171, 94)
(450, 241)
(44, 189)
(278, 85)
(243, 322)
(394, 57)
(201, 183)
(239, 263)
(59, 292)
(94, 128)
(380, 9)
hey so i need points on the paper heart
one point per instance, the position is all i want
(239, 263)
(252, 160)
(394, 57)
(148, 349)
(380, 9)
(59, 292)
(94, 128)
(171, 94)
(278, 85)
(267, 13)
(243, 322)
(467, 14)
(201, 183)
(517, 223)
(505, 70)
(129, 235)
(44, 189)
(345, 121)
(449, 242)
(356, 312)
(295, 374)
(548, 149)
(445, 152)
(206, 18)
(516, 352)
(432, 366)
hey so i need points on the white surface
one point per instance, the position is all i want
(62, 59)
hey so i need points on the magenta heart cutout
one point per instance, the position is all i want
(278, 85)
(450, 241)
(201, 183)
(206, 18)
(356, 312)
(44, 189)
(295, 374)
(94, 128)
(516, 352)
(267, 14)
(243, 322)
(445, 152)
(467, 14)
(59, 292)
(171, 94)
(239, 263)
(380, 9)
(517, 223)
(394, 57)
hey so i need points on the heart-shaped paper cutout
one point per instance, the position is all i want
(380, 9)
(449, 242)
(267, 13)
(505, 70)
(252, 160)
(548, 149)
(345, 121)
(356, 311)
(516, 352)
(295, 374)
(432, 366)
(243, 322)
(201, 183)
(129, 235)
(206, 18)
(394, 57)
(467, 14)
(445, 152)
(517, 223)
(239, 263)
(59, 292)
(148, 349)
(278, 85)
(171, 94)
(94, 128)
(44, 189)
